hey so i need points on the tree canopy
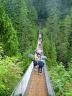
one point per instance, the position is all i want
(20, 22)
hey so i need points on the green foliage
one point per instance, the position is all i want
(11, 70)
(49, 49)
(18, 37)
(25, 61)
(10, 74)
(70, 68)
(18, 31)
(58, 48)
(40, 6)
(61, 79)
(23, 17)
(8, 34)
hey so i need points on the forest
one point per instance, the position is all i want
(20, 21)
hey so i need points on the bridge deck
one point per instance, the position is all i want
(37, 85)
(34, 83)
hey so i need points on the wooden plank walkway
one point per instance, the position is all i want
(37, 85)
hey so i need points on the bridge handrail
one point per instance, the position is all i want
(48, 82)
(22, 85)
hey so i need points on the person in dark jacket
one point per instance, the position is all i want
(35, 63)
(40, 66)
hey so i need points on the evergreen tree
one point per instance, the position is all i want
(8, 34)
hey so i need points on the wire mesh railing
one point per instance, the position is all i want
(20, 89)
(50, 89)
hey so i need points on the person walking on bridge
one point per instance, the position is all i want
(40, 66)
(35, 60)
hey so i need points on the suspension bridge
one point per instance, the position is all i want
(34, 83)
